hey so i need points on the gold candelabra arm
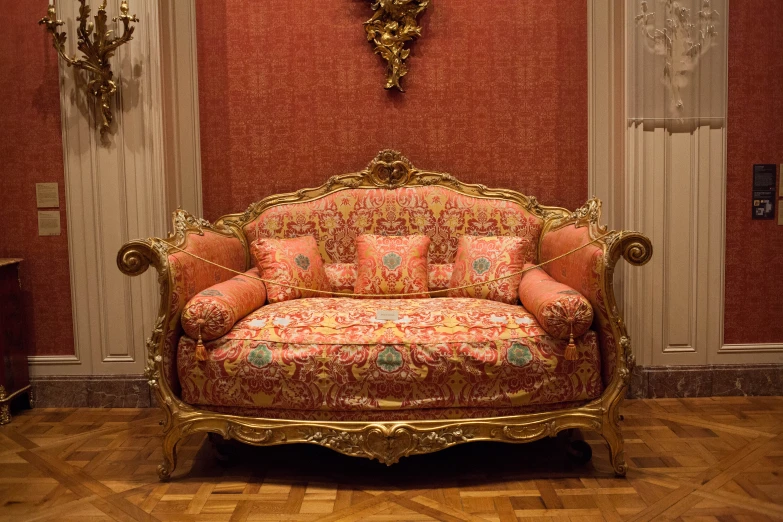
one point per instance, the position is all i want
(96, 42)
(58, 39)
(127, 29)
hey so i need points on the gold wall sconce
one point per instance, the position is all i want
(393, 25)
(97, 51)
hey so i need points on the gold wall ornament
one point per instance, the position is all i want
(392, 26)
(682, 42)
(97, 52)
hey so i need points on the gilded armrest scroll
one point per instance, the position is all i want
(634, 247)
(591, 272)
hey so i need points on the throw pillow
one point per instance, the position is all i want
(341, 276)
(392, 265)
(481, 259)
(295, 262)
(440, 277)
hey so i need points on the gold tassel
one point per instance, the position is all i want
(201, 350)
(570, 352)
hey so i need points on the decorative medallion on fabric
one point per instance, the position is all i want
(337, 219)
(392, 265)
(216, 309)
(559, 309)
(484, 259)
(334, 354)
(293, 262)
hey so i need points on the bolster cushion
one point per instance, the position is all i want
(560, 309)
(219, 307)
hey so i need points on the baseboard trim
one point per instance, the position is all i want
(751, 348)
(716, 380)
(43, 360)
(91, 391)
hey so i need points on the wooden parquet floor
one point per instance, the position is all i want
(690, 459)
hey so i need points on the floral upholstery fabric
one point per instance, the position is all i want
(213, 311)
(560, 310)
(441, 214)
(440, 276)
(392, 265)
(295, 262)
(189, 276)
(584, 272)
(484, 259)
(341, 276)
(333, 354)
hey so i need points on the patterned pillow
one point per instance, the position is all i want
(440, 277)
(294, 262)
(220, 306)
(560, 310)
(484, 259)
(392, 265)
(341, 276)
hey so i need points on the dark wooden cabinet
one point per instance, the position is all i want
(14, 377)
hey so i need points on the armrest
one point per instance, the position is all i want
(180, 277)
(590, 271)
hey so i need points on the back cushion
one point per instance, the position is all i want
(438, 212)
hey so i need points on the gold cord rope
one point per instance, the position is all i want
(387, 296)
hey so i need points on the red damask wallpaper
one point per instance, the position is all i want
(291, 93)
(754, 249)
(31, 152)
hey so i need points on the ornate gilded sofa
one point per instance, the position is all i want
(375, 400)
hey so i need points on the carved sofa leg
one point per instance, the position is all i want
(169, 463)
(611, 433)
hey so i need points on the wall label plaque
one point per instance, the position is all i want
(764, 191)
(49, 223)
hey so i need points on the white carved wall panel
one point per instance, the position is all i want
(676, 177)
(675, 183)
(118, 188)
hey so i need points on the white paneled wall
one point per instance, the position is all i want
(669, 181)
(120, 187)
(676, 194)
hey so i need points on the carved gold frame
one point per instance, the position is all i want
(386, 441)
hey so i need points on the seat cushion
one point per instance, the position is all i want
(333, 354)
